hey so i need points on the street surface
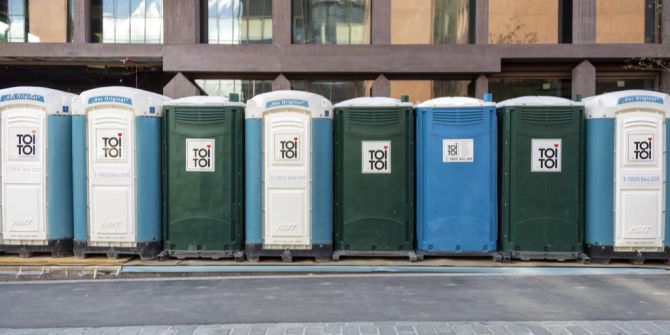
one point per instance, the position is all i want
(227, 305)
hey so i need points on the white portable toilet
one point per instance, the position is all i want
(117, 172)
(36, 171)
(626, 176)
(289, 176)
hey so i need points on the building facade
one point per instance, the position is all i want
(338, 48)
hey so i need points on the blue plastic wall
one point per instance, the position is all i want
(148, 158)
(667, 180)
(322, 181)
(79, 184)
(599, 202)
(59, 183)
(253, 196)
(457, 202)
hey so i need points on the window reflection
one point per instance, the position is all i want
(507, 88)
(239, 21)
(613, 84)
(127, 21)
(51, 21)
(334, 90)
(247, 89)
(331, 21)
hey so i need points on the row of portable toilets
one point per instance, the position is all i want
(122, 171)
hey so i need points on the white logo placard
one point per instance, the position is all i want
(287, 147)
(376, 156)
(641, 148)
(23, 145)
(109, 144)
(546, 155)
(458, 150)
(200, 155)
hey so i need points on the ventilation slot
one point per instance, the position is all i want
(458, 117)
(199, 116)
(379, 117)
(547, 116)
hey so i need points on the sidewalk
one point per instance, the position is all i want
(380, 328)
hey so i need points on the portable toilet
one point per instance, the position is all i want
(36, 171)
(289, 176)
(203, 178)
(116, 137)
(626, 176)
(457, 153)
(374, 178)
(542, 178)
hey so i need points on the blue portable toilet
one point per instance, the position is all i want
(36, 171)
(626, 176)
(289, 176)
(457, 177)
(116, 145)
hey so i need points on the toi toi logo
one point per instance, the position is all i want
(112, 146)
(546, 155)
(289, 149)
(376, 156)
(643, 150)
(26, 144)
(200, 155)
(202, 158)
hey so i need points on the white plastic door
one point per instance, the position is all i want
(287, 180)
(640, 178)
(24, 174)
(111, 176)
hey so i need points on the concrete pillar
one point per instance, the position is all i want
(381, 22)
(584, 21)
(665, 22)
(180, 87)
(281, 83)
(281, 22)
(81, 24)
(584, 80)
(482, 86)
(381, 87)
(181, 21)
(482, 22)
(665, 82)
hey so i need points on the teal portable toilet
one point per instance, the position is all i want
(116, 145)
(36, 171)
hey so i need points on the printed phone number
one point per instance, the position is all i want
(641, 179)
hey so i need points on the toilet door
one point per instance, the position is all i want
(640, 179)
(24, 174)
(287, 179)
(111, 176)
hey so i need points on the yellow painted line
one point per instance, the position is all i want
(37, 261)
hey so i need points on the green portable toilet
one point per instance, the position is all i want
(374, 178)
(203, 178)
(542, 181)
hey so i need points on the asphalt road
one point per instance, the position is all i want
(335, 298)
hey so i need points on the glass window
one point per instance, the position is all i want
(453, 88)
(127, 21)
(335, 91)
(453, 22)
(524, 21)
(627, 21)
(247, 89)
(238, 22)
(613, 84)
(507, 88)
(423, 90)
(331, 22)
(51, 21)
